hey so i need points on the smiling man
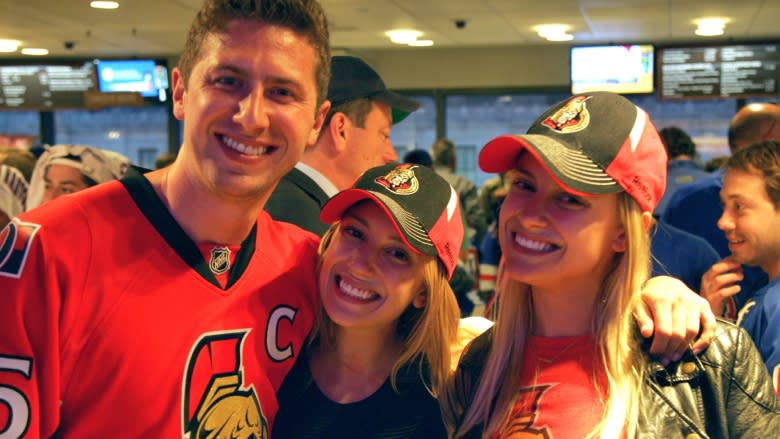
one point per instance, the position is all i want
(750, 221)
(172, 299)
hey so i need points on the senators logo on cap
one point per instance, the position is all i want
(401, 180)
(570, 118)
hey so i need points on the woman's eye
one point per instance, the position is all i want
(398, 254)
(352, 231)
(571, 201)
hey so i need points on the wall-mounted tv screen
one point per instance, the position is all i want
(145, 76)
(624, 69)
(45, 86)
(718, 71)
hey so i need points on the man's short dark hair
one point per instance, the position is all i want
(305, 17)
(764, 158)
(443, 152)
(677, 142)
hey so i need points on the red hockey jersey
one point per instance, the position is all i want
(113, 325)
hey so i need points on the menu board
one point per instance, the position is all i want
(719, 71)
(45, 86)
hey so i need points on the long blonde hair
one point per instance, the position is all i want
(428, 333)
(613, 325)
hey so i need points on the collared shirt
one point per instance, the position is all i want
(326, 185)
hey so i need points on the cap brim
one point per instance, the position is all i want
(334, 209)
(569, 168)
(400, 104)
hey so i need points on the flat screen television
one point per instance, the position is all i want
(719, 71)
(145, 76)
(624, 68)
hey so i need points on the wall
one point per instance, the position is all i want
(490, 67)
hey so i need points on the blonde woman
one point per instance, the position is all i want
(565, 358)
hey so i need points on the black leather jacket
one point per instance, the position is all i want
(724, 392)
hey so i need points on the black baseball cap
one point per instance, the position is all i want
(352, 78)
(591, 144)
(423, 207)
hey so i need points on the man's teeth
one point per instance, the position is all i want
(533, 245)
(352, 291)
(244, 149)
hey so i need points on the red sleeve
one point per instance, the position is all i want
(33, 280)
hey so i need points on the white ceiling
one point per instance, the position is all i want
(158, 27)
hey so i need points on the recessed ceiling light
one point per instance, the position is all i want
(403, 36)
(421, 43)
(35, 51)
(710, 26)
(7, 46)
(104, 4)
(554, 32)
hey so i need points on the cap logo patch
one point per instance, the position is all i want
(219, 262)
(570, 118)
(401, 180)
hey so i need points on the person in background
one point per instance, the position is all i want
(164, 160)
(67, 169)
(355, 137)
(680, 254)
(565, 358)
(696, 208)
(750, 221)
(461, 281)
(682, 169)
(13, 192)
(715, 163)
(444, 162)
(381, 350)
(21, 159)
(169, 304)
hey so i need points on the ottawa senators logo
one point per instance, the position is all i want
(401, 180)
(216, 403)
(570, 118)
(219, 262)
(524, 415)
(15, 241)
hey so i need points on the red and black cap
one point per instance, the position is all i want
(423, 207)
(591, 144)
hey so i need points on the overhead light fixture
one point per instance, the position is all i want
(408, 37)
(34, 51)
(7, 46)
(104, 4)
(403, 36)
(554, 32)
(421, 43)
(710, 26)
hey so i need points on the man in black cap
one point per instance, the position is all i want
(355, 137)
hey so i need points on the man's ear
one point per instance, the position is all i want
(339, 130)
(421, 299)
(319, 119)
(179, 90)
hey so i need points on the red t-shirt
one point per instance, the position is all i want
(557, 398)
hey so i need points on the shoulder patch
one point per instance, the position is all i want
(15, 241)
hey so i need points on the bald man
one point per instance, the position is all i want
(696, 208)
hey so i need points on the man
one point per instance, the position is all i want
(682, 169)
(750, 221)
(170, 305)
(13, 192)
(354, 138)
(696, 208)
(444, 162)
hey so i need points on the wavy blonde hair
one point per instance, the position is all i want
(613, 325)
(428, 333)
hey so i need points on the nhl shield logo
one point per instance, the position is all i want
(219, 262)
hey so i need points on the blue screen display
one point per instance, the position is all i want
(142, 75)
